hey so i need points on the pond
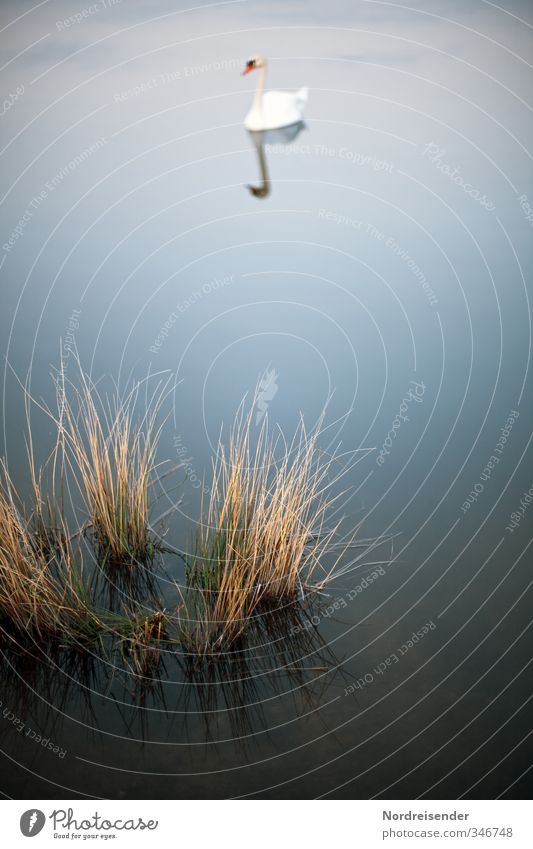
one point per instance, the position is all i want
(373, 262)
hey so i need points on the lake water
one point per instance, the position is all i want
(387, 268)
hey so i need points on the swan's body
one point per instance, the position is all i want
(276, 109)
(273, 110)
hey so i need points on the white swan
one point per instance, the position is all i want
(273, 109)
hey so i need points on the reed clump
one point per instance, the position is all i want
(141, 645)
(266, 532)
(263, 536)
(110, 449)
(42, 592)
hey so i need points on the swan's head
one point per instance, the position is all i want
(253, 63)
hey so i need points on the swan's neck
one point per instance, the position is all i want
(260, 87)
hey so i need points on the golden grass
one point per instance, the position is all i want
(111, 451)
(261, 543)
(41, 589)
(141, 645)
(263, 535)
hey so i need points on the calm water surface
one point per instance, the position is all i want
(386, 267)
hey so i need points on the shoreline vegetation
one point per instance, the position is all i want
(266, 528)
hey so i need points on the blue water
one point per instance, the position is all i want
(387, 270)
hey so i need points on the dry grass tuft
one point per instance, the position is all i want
(41, 589)
(110, 449)
(263, 536)
(141, 646)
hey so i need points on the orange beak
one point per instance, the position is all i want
(247, 70)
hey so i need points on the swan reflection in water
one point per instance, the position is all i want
(283, 135)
